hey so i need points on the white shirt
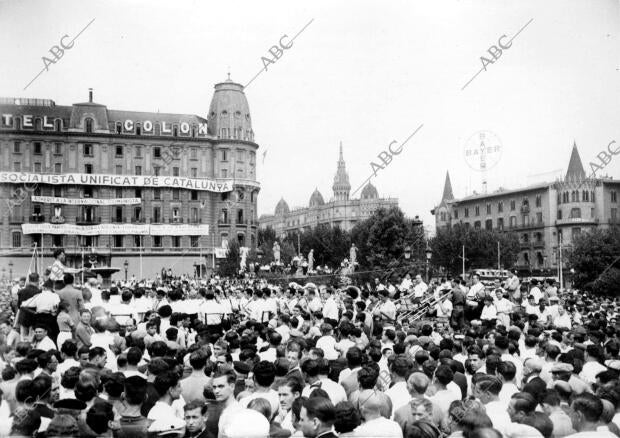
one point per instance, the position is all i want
(327, 344)
(271, 396)
(268, 355)
(46, 301)
(498, 413)
(447, 306)
(590, 370)
(488, 312)
(420, 289)
(330, 309)
(245, 423)
(161, 411)
(212, 311)
(536, 293)
(508, 389)
(388, 309)
(334, 390)
(45, 344)
(378, 428)
(399, 395)
(475, 290)
(562, 321)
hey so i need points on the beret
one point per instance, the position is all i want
(70, 403)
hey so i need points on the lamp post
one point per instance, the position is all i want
(10, 270)
(195, 269)
(572, 277)
(407, 252)
(126, 266)
(429, 254)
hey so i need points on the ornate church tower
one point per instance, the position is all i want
(341, 186)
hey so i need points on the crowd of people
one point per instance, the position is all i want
(221, 357)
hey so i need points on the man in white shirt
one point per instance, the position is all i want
(487, 389)
(563, 319)
(398, 392)
(315, 374)
(168, 387)
(535, 291)
(330, 307)
(507, 372)
(593, 357)
(504, 308)
(406, 284)
(264, 376)
(489, 313)
(444, 396)
(387, 309)
(327, 343)
(420, 287)
(375, 425)
(40, 340)
(224, 391)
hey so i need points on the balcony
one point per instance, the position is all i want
(525, 245)
(540, 244)
(525, 209)
(37, 218)
(195, 221)
(117, 220)
(57, 220)
(175, 220)
(223, 222)
(242, 221)
(577, 221)
(155, 220)
(138, 220)
(87, 220)
(529, 226)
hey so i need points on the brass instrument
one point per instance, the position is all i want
(424, 306)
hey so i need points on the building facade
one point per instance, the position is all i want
(543, 215)
(340, 211)
(157, 190)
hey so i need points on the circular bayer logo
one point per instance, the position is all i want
(483, 150)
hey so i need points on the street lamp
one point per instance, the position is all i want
(195, 269)
(407, 252)
(126, 265)
(572, 277)
(429, 254)
(10, 270)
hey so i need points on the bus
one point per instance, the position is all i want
(488, 276)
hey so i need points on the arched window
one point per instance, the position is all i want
(119, 128)
(575, 213)
(58, 125)
(38, 124)
(88, 124)
(138, 129)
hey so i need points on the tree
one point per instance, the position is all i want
(594, 258)
(266, 238)
(382, 238)
(480, 248)
(229, 266)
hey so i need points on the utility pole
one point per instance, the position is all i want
(560, 263)
(298, 244)
(463, 257)
(498, 257)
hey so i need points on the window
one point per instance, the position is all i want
(157, 241)
(137, 214)
(17, 240)
(119, 152)
(477, 210)
(137, 241)
(466, 212)
(614, 196)
(559, 214)
(119, 128)
(539, 219)
(17, 166)
(88, 150)
(456, 212)
(138, 193)
(194, 216)
(138, 151)
(193, 153)
(17, 147)
(538, 201)
(488, 208)
(525, 221)
(575, 232)
(175, 194)
(224, 155)
(37, 149)
(500, 223)
(37, 167)
(119, 193)
(156, 214)
(525, 238)
(538, 236)
(156, 170)
(119, 169)
(194, 195)
(592, 212)
(585, 195)
(224, 173)
(157, 152)
(58, 191)
(138, 170)
(175, 171)
(118, 241)
(176, 241)
(513, 221)
(138, 129)
(565, 198)
(614, 214)
(512, 205)
(240, 156)
(477, 225)
(575, 213)
(89, 125)
(88, 168)
(194, 242)
(57, 240)
(193, 172)
(157, 193)
(442, 216)
(118, 214)
(488, 224)
(57, 167)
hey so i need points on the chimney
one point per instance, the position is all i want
(90, 95)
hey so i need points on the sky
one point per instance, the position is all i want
(364, 73)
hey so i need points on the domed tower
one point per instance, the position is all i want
(234, 159)
(282, 208)
(316, 200)
(369, 192)
(341, 186)
(229, 113)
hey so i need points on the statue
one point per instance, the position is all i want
(353, 256)
(276, 252)
(243, 251)
(311, 260)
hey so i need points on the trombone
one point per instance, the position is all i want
(424, 306)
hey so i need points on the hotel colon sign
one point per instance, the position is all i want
(155, 189)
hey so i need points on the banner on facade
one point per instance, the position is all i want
(86, 201)
(205, 184)
(117, 229)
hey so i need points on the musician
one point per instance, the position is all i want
(444, 306)
(457, 319)
(330, 307)
(420, 288)
(489, 312)
(406, 284)
(503, 306)
(386, 310)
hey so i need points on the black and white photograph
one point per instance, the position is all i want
(328, 219)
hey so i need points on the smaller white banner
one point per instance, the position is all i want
(86, 201)
(220, 253)
(179, 230)
(117, 229)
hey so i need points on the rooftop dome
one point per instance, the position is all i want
(229, 113)
(282, 207)
(369, 192)
(316, 199)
